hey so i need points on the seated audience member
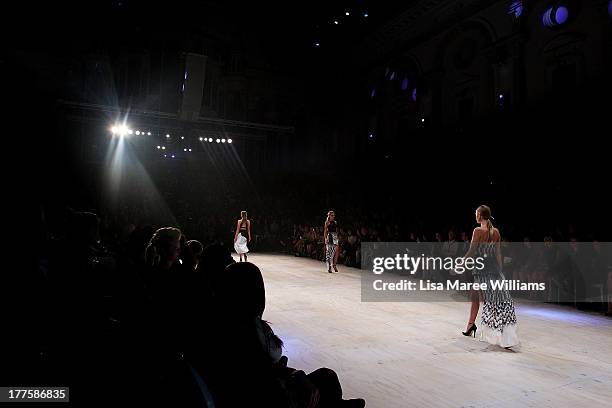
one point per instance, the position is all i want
(253, 371)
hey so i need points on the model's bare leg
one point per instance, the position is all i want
(475, 296)
(336, 253)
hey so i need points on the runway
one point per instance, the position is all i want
(412, 354)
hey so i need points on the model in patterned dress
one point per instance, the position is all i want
(330, 232)
(498, 319)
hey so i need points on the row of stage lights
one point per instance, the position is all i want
(122, 131)
(210, 140)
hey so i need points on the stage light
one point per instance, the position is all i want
(218, 140)
(561, 15)
(167, 136)
(317, 45)
(365, 14)
(335, 21)
(347, 13)
(182, 137)
(165, 155)
(201, 138)
(138, 133)
(173, 156)
(130, 131)
(148, 133)
(554, 16)
(501, 96)
(222, 140)
(516, 8)
(159, 147)
(120, 130)
(229, 141)
(184, 150)
(163, 147)
(422, 120)
(210, 140)
(189, 149)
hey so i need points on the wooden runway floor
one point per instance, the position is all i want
(412, 354)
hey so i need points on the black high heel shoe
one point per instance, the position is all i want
(471, 330)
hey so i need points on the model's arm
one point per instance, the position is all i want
(325, 233)
(249, 229)
(473, 244)
(237, 231)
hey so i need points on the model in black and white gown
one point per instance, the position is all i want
(498, 323)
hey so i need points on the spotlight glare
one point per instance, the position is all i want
(210, 139)
(159, 147)
(182, 137)
(201, 138)
(222, 140)
(163, 147)
(122, 130)
(173, 156)
(422, 120)
(130, 131)
(184, 150)
(229, 140)
(138, 133)
(113, 129)
(189, 149)
(335, 21)
(167, 136)
(347, 13)
(218, 140)
(148, 133)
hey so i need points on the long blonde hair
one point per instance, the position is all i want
(485, 214)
